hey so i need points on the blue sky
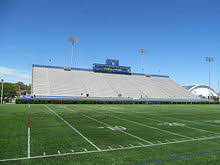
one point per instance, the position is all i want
(178, 35)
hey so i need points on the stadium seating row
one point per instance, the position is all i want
(58, 82)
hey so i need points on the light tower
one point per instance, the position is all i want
(218, 88)
(2, 91)
(142, 52)
(209, 59)
(73, 40)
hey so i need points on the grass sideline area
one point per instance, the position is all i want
(109, 134)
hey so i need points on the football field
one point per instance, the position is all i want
(110, 134)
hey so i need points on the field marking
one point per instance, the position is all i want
(108, 150)
(151, 127)
(155, 128)
(174, 158)
(169, 131)
(91, 118)
(29, 133)
(120, 130)
(195, 122)
(73, 128)
(29, 146)
(186, 126)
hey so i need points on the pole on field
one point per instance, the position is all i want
(2, 91)
(210, 59)
(142, 52)
(73, 40)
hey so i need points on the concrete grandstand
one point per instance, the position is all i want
(111, 81)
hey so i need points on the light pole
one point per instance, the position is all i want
(142, 52)
(218, 89)
(209, 59)
(2, 91)
(73, 40)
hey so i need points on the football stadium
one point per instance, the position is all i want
(47, 129)
(112, 82)
(108, 81)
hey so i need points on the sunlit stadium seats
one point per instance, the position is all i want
(58, 82)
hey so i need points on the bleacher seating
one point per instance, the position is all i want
(51, 81)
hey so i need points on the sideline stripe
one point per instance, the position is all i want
(73, 128)
(108, 150)
(179, 157)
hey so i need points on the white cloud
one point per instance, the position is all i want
(14, 74)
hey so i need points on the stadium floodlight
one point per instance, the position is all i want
(142, 52)
(209, 59)
(73, 40)
(2, 91)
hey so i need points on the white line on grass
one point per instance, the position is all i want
(152, 127)
(29, 146)
(29, 133)
(110, 125)
(120, 130)
(73, 128)
(107, 150)
(186, 126)
(195, 122)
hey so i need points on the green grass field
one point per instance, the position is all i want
(110, 134)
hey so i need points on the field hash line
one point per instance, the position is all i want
(108, 150)
(73, 128)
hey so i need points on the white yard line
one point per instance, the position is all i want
(169, 131)
(195, 122)
(108, 150)
(153, 127)
(29, 146)
(186, 126)
(117, 130)
(73, 128)
(29, 132)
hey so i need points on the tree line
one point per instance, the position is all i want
(10, 90)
